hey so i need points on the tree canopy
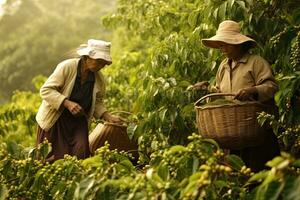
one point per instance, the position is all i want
(36, 35)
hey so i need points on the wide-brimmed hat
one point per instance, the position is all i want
(228, 32)
(96, 49)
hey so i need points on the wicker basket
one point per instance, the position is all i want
(115, 135)
(232, 126)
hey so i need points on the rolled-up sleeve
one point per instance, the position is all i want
(265, 81)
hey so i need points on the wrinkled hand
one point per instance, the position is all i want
(203, 85)
(246, 93)
(111, 118)
(73, 107)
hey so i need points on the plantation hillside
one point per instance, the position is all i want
(157, 56)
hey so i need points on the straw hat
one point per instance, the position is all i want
(96, 49)
(229, 32)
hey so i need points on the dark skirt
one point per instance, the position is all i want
(69, 135)
(257, 156)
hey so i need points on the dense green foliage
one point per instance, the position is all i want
(164, 55)
(158, 54)
(17, 118)
(199, 170)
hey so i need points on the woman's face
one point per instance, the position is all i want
(95, 65)
(231, 51)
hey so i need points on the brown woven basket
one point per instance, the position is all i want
(232, 126)
(115, 135)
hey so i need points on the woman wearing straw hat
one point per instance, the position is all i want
(248, 77)
(71, 96)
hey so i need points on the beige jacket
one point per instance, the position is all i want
(58, 87)
(250, 70)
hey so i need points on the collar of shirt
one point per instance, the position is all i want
(243, 59)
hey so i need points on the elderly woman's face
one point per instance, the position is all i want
(231, 51)
(95, 65)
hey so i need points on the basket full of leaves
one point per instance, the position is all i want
(232, 123)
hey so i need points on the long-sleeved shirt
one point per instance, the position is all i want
(58, 87)
(249, 71)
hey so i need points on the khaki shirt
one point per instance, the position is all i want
(249, 71)
(59, 86)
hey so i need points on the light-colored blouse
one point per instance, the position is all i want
(249, 71)
(58, 87)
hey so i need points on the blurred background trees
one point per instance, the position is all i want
(37, 34)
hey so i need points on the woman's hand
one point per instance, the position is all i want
(73, 107)
(246, 94)
(203, 85)
(111, 118)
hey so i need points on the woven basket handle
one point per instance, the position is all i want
(122, 112)
(213, 95)
(114, 124)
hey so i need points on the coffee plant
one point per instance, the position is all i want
(158, 55)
